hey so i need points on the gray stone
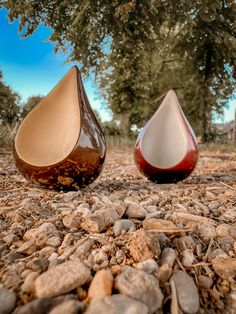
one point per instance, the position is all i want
(136, 211)
(38, 264)
(116, 304)
(149, 265)
(7, 300)
(61, 279)
(141, 286)
(187, 292)
(68, 307)
(123, 224)
(168, 256)
(12, 257)
(41, 305)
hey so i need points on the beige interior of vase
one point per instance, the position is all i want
(50, 131)
(165, 140)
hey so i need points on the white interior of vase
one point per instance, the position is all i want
(165, 140)
(50, 131)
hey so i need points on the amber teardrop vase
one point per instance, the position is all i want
(60, 144)
(166, 148)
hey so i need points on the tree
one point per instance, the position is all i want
(30, 104)
(135, 48)
(9, 100)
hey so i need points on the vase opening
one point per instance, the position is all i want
(165, 140)
(50, 131)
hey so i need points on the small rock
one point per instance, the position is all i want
(100, 220)
(101, 284)
(42, 234)
(168, 256)
(41, 305)
(187, 258)
(68, 307)
(116, 304)
(226, 243)
(224, 267)
(28, 248)
(123, 225)
(206, 232)
(38, 264)
(136, 211)
(61, 279)
(84, 249)
(149, 265)
(223, 230)
(205, 282)
(7, 300)
(72, 221)
(120, 256)
(54, 241)
(163, 273)
(186, 291)
(29, 283)
(216, 253)
(46, 252)
(67, 241)
(12, 257)
(229, 215)
(141, 286)
(10, 238)
(101, 259)
(143, 245)
(159, 224)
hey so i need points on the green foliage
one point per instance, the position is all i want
(140, 49)
(30, 104)
(9, 109)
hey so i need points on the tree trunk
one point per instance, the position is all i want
(124, 124)
(205, 108)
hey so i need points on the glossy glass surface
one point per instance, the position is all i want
(84, 163)
(182, 168)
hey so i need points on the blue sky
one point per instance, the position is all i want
(31, 67)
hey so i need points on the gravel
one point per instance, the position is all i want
(123, 244)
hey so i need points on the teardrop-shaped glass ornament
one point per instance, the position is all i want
(166, 148)
(60, 144)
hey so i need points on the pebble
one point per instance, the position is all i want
(206, 232)
(168, 256)
(143, 245)
(187, 292)
(101, 284)
(159, 224)
(141, 286)
(38, 264)
(136, 211)
(12, 257)
(29, 283)
(83, 250)
(163, 273)
(61, 279)
(187, 258)
(223, 230)
(41, 305)
(54, 241)
(68, 307)
(28, 247)
(7, 300)
(116, 304)
(100, 220)
(205, 282)
(72, 221)
(120, 256)
(226, 243)
(149, 265)
(123, 225)
(224, 267)
(42, 234)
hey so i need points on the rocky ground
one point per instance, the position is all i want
(121, 245)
